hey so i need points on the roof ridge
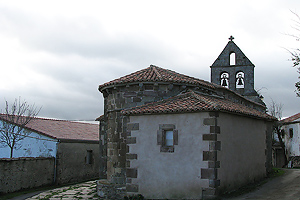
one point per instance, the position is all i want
(197, 96)
(52, 119)
(156, 71)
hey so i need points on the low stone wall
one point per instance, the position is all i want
(23, 173)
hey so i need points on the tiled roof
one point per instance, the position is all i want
(291, 118)
(157, 74)
(193, 102)
(62, 129)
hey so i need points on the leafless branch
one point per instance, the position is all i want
(14, 119)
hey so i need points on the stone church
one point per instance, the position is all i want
(167, 135)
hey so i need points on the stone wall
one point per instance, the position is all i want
(122, 97)
(77, 162)
(24, 173)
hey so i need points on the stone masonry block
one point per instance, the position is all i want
(136, 99)
(208, 192)
(131, 140)
(209, 137)
(133, 127)
(209, 155)
(214, 183)
(131, 156)
(209, 173)
(213, 114)
(159, 137)
(127, 163)
(213, 164)
(128, 180)
(215, 145)
(130, 94)
(131, 173)
(166, 126)
(209, 121)
(215, 129)
(132, 188)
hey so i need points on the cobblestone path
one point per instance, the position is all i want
(85, 190)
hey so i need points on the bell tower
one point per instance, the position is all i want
(233, 70)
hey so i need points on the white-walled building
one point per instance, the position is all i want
(291, 128)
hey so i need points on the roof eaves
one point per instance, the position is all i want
(78, 141)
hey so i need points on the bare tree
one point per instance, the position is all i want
(295, 54)
(13, 121)
(275, 109)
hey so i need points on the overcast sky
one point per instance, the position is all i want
(56, 53)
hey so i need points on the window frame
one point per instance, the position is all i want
(89, 157)
(162, 137)
(291, 132)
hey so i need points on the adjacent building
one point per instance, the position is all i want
(291, 130)
(73, 145)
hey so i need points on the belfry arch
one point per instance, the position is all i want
(239, 80)
(224, 78)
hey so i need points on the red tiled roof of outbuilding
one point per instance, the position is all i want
(157, 74)
(193, 102)
(63, 129)
(292, 118)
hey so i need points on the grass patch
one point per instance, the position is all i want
(275, 173)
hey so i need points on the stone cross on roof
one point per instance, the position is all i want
(231, 38)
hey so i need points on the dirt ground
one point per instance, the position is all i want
(285, 187)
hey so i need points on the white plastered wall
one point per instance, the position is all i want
(170, 175)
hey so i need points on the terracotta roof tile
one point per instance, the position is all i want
(157, 74)
(193, 102)
(62, 129)
(291, 118)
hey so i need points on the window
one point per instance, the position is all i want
(224, 79)
(89, 157)
(167, 137)
(291, 132)
(232, 58)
